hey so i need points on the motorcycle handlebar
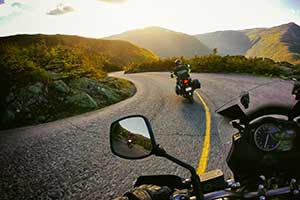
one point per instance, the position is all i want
(249, 195)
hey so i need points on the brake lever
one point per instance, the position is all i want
(262, 192)
(237, 126)
(294, 187)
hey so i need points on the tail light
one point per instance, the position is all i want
(185, 81)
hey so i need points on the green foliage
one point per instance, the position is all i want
(19, 65)
(296, 71)
(216, 63)
(110, 67)
(28, 60)
(64, 50)
(160, 65)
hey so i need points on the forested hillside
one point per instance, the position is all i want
(46, 77)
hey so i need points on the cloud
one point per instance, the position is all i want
(114, 1)
(295, 12)
(7, 18)
(61, 10)
(19, 5)
(9, 11)
(292, 5)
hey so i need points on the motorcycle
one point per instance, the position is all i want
(263, 156)
(185, 86)
(130, 143)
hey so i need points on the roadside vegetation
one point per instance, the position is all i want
(42, 81)
(224, 64)
(48, 77)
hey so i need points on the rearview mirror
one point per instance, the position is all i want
(131, 137)
(245, 99)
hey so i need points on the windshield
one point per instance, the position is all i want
(276, 92)
(273, 93)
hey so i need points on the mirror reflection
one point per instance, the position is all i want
(130, 138)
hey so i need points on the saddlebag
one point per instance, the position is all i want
(196, 84)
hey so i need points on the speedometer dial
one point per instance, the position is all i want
(265, 137)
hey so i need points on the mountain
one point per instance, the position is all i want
(164, 42)
(116, 52)
(252, 31)
(280, 43)
(227, 42)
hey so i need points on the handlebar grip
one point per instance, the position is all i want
(249, 195)
(180, 197)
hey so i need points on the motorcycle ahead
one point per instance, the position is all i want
(185, 86)
(263, 157)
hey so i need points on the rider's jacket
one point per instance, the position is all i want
(182, 72)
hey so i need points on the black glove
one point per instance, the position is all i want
(148, 192)
(181, 194)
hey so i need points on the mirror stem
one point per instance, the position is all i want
(194, 176)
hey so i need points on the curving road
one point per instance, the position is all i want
(71, 158)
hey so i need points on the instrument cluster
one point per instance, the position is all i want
(275, 135)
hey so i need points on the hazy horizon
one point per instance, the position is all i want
(103, 18)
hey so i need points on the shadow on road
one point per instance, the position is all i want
(192, 114)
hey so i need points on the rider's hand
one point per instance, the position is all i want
(181, 194)
(148, 192)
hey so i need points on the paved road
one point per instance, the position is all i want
(71, 158)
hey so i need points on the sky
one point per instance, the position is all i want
(101, 18)
(136, 125)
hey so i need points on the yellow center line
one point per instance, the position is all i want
(206, 144)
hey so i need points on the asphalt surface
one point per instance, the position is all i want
(71, 158)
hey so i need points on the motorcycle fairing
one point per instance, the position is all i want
(233, 112)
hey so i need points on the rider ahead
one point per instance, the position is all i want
(181, 72)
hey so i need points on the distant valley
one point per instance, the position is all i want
(164, 42)
(280, 43)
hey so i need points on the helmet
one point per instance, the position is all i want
(178, 62)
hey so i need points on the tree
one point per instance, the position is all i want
(215, 51)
